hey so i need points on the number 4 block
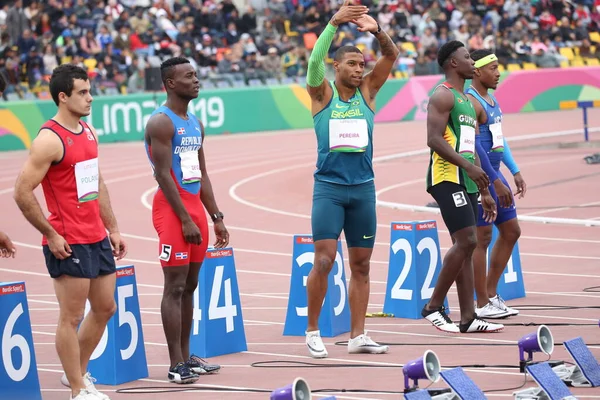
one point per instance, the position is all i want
(120, 356)
(414, 265)
(18, 372)
(218, 325)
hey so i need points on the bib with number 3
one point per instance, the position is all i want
(348, 135)
(86, 178)
(467, 139)
(497, 137)
(190, 167)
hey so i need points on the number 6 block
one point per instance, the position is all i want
(120, 356)
(18, 372)
(335, 312)
(218, 324)
(414, 265)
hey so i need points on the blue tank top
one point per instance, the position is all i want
(344, 131)
(186, 143)
(490, 133)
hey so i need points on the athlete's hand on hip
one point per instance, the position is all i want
(59, 246)
(7, 248)
(489, 207)
(365, 23)
(191, 232)
(348, 12)
(478, 176)
(521, 185)
(221, 234)
(118, 244)
(504, 194)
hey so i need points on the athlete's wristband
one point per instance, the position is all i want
(508, 159)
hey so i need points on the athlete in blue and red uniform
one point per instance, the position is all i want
(174, 143)
(493, 149)
(64, 159)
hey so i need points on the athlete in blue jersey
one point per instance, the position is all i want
(344, 191)
(493, 149)
(174, 141)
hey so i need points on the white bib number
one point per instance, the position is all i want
(467, 139)
(190, 167)
(348, 135)
(86, 177)
(497, 137)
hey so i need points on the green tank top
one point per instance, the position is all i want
(344, 131)
(460, 135)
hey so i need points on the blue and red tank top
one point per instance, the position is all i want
(70, 187)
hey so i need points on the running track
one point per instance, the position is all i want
(263, 184)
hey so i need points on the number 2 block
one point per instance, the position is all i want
(218, 324)
(335, 312)
(18, 371)
(120, 356)
(414, 265)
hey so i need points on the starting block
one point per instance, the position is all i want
(511, 285)
(414, 265)
(417, 395)
(550, 386)
(463, 387)
(18, 372)
(218, 324)
(334, 319)
(120, 356)
(586, 371)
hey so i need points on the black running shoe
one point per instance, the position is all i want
(181, 373)
(201, 367)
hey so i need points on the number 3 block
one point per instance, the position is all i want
(18, 372)
(335, 313)
(121, 356)
(220, 330)
(414, 265)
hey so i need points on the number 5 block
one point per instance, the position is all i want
(414, 265)
(335, 312)
(18, 372)
(121, 355)
(218, 324)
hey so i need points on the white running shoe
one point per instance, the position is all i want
(499, 303)
(364, 344)
(491, 311)
(88, 381)
(440, 319)
(315, 344)
(480, 326)
(84, 394)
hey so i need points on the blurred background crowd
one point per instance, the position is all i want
(257, 42)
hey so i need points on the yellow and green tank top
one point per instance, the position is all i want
(460, 135)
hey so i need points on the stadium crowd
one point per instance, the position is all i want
(253, 42)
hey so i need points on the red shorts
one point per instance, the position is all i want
(172, 247)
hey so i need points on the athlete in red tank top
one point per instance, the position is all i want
(71, 187)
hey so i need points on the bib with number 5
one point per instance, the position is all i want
(348, 135)
(86, 178)
(190, 167)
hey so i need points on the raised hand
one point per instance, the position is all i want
(348, 12)
(366, 23)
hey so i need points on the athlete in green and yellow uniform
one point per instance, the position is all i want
(344, 188)
(454, 179)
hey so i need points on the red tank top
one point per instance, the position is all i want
(71, 187)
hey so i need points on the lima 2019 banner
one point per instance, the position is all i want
(235, 110)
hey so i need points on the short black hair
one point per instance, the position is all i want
(446, 51)
(167, 67)
(2, 84)
(339, 54)
(63, 77)
(479, 54)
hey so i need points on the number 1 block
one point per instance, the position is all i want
(120, 356)
(414, 265)
(18, 372)
(220, 330)
(511, 285)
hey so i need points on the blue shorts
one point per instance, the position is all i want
(504, 214)
(343, 207)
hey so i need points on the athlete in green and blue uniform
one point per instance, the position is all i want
(344, 188)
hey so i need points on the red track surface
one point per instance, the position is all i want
(263, 183)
